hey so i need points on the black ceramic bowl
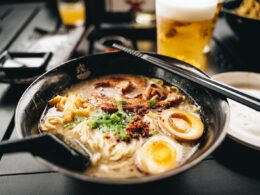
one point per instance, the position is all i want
(247, 29)
(215, 110)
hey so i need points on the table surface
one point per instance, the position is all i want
(231, 169)
(34, 28)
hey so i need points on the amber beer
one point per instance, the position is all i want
(184, 28)
(219, 7)
(217, 11)
(72, 13)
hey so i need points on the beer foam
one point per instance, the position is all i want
(186, 10)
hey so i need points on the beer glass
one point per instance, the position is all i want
(72, 12)
(184, 28)
(217, 11)
(219, 7)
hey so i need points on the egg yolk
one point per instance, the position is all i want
(162, 153)
(180, 122)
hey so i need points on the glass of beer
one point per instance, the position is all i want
(72, 12)
(184, 28)
(219, 7)
(217, 11)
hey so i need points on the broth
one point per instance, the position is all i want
(132, 125)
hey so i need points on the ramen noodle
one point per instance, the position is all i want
(249, 8)
(132, 125)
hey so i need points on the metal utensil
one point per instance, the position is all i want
(204, 81)
(65, 152)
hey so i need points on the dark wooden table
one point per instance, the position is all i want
(231, 169)
(33, 27)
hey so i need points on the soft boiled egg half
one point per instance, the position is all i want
(158, 154)
(181, 125)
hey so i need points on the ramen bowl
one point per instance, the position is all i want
(244, 27)
(214, 108)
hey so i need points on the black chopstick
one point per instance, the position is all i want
(204, 81)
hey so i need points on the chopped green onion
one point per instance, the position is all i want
(151, 102)
(121, 102)
(78, 119)
(115, 123)
(70, 124)
(122, 135)
(94, 124)
(115, 118)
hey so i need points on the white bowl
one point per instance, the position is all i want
(244, 124)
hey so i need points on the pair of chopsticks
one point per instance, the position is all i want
(204, 81)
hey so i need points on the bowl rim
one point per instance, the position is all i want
(231, 134)
(231, 12)
(124, 181)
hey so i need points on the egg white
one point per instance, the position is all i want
(145, 161)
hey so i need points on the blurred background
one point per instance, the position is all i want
(63, 29)
(81, 26)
